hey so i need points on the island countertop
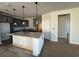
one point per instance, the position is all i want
(28, 34)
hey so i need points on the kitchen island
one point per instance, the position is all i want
(29, 40)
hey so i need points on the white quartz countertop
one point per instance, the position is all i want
(28, 34)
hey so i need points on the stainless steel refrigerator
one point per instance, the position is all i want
(4, 29)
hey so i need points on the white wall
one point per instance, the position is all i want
(74, 22)
(46, 25)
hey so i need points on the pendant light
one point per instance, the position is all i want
(36, 8)
(23, 15)
(36, 13)
(14, 16)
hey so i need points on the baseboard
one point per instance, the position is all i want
(74, 43)
(54, 40)
(61, 38)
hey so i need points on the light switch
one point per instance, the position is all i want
(53, 28)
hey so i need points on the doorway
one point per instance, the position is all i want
(63, 28)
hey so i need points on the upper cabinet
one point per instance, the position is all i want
(5, 19)
(25, 23)
(15, 22)
(21, 23)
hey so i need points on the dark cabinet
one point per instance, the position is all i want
(15, 22)
(21, 23)
(5, 19)
(2, 19)
(25, 23)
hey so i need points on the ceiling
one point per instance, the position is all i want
(43, 7)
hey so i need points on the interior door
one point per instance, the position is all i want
(62, 26)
